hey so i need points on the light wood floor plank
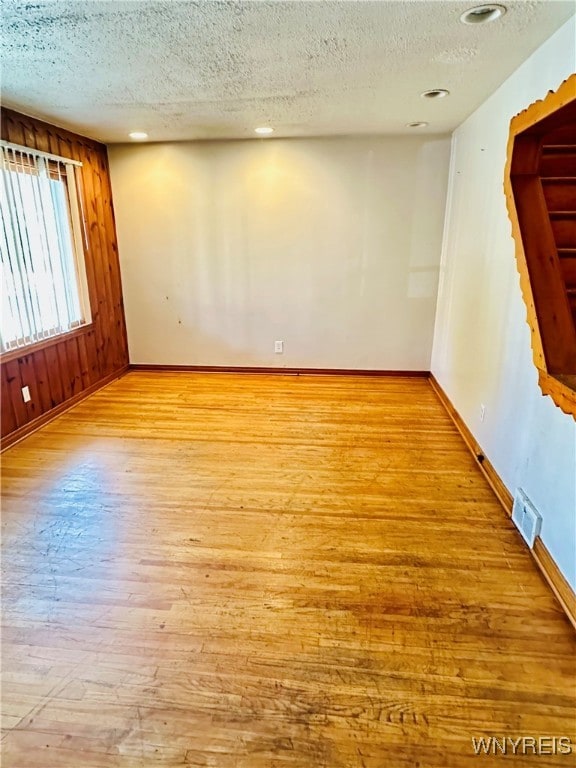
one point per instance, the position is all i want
(268, 572)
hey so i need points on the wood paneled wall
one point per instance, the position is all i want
(63, 370)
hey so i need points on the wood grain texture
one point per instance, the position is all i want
(540, 194)
(561, 388)
(265, 572)
(496, 482)
(550, 570)
(60, 371)
(553, 312)
(52, 413)
(555, 579)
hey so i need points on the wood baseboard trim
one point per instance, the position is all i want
(27, 429)
(277, 371)
(503, 494)
(563, 591)
(558, 584)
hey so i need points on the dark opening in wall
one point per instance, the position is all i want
(540, 187)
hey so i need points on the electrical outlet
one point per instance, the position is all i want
(482, 411)
(279, 347)
(26, 394)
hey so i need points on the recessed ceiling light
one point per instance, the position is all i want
(138, 136)
(264, 130)
(482, 14)
(420, 124)
(435, 93)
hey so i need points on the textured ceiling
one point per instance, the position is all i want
(195, 70)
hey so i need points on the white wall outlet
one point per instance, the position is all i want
(482, 411)
(26, 394)
(279, 347)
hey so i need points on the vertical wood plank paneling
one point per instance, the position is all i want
(99, 291)
(43, 381)
(7, 410)
(41, 139)
(15, 131)
(74, 366)
(94, 368)
(54, 145)
(95, 246)
(95, 340)
(84, 364)
(65, 373)
(28, 379)
(14, 392)
(55, 381)
(102, 225)
(64, 370)
(121, 351)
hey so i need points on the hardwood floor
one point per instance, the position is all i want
(268, 572)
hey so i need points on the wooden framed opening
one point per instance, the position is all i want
(540, 186)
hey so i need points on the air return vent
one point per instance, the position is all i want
(526, 518)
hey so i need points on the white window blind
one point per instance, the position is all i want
(44, 290)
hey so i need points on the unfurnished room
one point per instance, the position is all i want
(288, 383)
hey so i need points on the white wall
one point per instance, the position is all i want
(482, 348)
(332, 245)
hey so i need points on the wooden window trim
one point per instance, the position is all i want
(29, 349)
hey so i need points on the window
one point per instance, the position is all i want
(44, 290)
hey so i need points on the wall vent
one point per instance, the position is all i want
(526, 518)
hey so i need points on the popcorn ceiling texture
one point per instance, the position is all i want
(197, 70)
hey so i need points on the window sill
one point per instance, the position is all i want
(15, 354)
